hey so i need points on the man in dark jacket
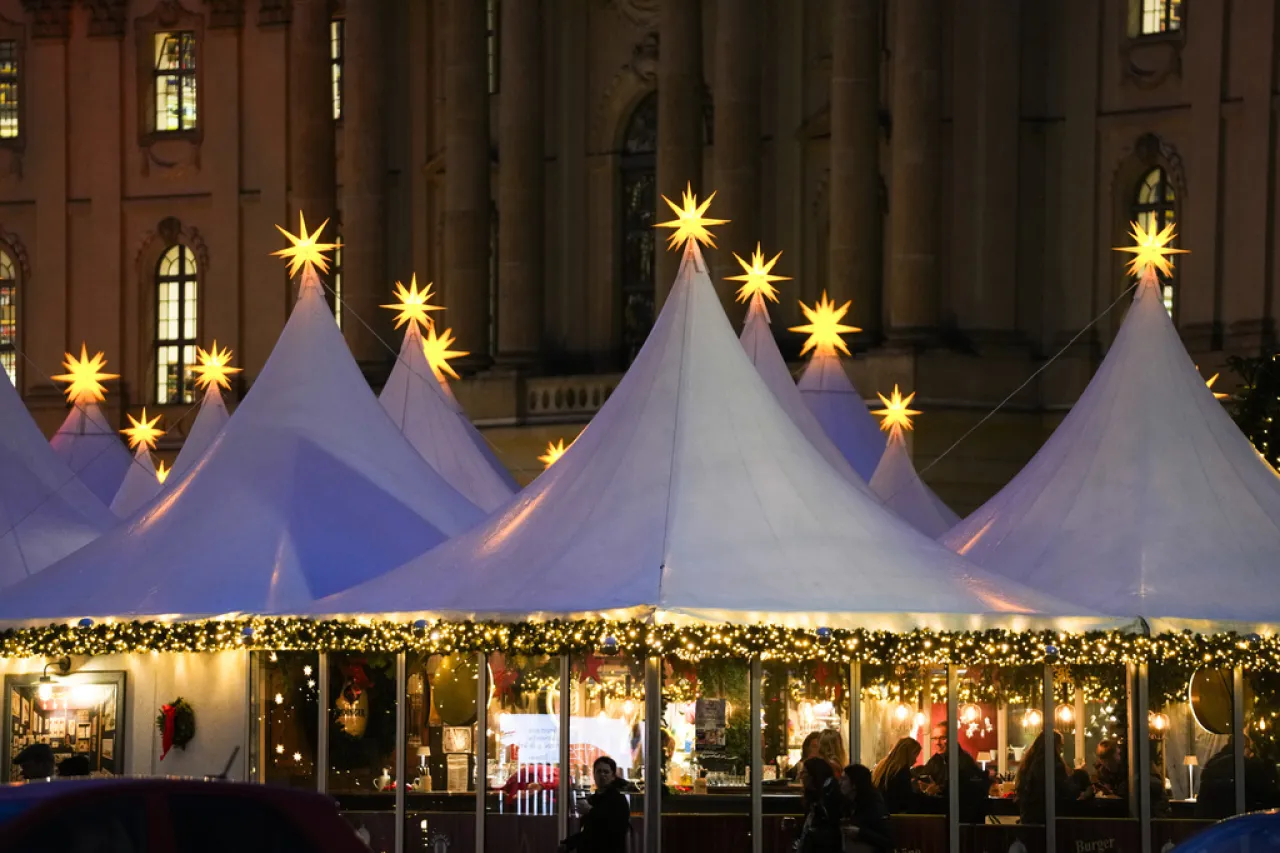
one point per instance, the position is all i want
(606, 814)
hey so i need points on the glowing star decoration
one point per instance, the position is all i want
(689, 223)
(214, 367)
(84, 377)
(436, 348)
(142, 432)
(162, 472)
(1151, 249)
(896, 412)
(555, 449)
(824, 327)
(1217, 395)
(413, 304)
(756, 276)
(306, 250)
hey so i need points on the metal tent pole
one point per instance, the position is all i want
(953, 761)
(1049, 734)
(653, 754)
(402, 724)
(757, 760)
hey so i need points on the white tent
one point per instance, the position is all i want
(1147, 500)
(829, 393)
(140, 485)
(439, 430)
(897, 484)
(757, 340)
(92, 450)
(46, 512)
(308, 489)
(692, 494)
(209, 422)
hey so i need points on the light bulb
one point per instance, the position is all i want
(1032, 718)
(970, 714)
(920, 720)
(45, 691)
(1065, 714)
(901, 712)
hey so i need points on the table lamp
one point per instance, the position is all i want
(1191, 762)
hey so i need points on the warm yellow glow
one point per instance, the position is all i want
(970, 714)
(279, 749)
(1032, 718)
(436, 349)
(901, 713)
(162, 472)
(1150, 249)
(920, 720)
(756, 276)
(1065, 714)
(554, 451)
(1217, 395)
(896, 412)
(1157, 721)
(142, 432)
(413, 304)
(824, 327)
(690, 224)
(306, 250)
(84, 377)
(213, 367)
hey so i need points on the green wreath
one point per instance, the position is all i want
(184, 722)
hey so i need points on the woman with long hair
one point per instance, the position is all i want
(1029, 783)
(808, 749)
(831, 747)
(823, 808)
(892, 776)
(866, 823)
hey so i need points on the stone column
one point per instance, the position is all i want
(854, 187)
(364, 182)
(912, 293)
(520, 196)
(312, 170)
(737, 138)
(680, 122)
(466, 180)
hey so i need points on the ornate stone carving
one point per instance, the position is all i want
(1149, 151)
(273, 13)
(18, 251)
(50, 19)
(638, 13)
(634, 80)
(170, 232)
(107, 17)
(644, 58)
(1148, 62)
(225, 14)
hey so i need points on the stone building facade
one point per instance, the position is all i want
(959, 169)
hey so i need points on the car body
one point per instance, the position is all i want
(1256, 832)
(170, 816)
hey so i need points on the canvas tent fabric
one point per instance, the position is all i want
(209, 422)
(92, 450)
(46, 512)
(438, 429)
(757, 340)
(1146, 501)
(692, 495)
(309, 488)
(140, 485)
(828, 392)
(897, 484)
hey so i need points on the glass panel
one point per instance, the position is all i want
(337, 280)
(362, 743)
(1262, 743)
(166, 374)
(440, 734)
(9, 361)
(337, 43)
(175, 81)
(286, 718)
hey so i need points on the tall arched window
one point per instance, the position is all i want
(176, 326)
(9, 317)
(639, 199)
(1153, 204)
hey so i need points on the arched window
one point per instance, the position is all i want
(638, 200)
(9, 316)
(175, 324)
(1153, 204)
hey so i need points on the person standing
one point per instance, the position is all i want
(606, 814)
(824, 808)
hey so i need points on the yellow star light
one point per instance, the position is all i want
(895, 412)
(689, 223)
(1150, 249)
(413, 304)
(305, 250)
(1217, 395)
(214, 367)
(436, 349)
(824, 327)
(757, 277)
(143, 432)
(554, 451)
(162, 471)
(84, 377)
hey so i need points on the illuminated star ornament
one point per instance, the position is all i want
(162, 472)
(756, 276)
(306, 250)
(690, 224)
(554, 451)
(214, 367)
(896, 412)
(436, 349)
(413, 304)
(142, 432)
(84, 377)
(1151, 249)
(1217, 395)
(824, 327)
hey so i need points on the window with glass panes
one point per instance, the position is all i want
(337, 47)
(1161, 16)
(491, 13)
(638, 206)
(175, 81)
(8, 317)
(175, 325)
(1153, 204)
(335, 278)
(8, 89)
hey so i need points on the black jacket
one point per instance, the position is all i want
(821, 832)
(872, 819)
(605, 828)
(899, 792)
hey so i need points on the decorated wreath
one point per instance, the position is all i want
(177, 725)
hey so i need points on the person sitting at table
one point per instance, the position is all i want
(865, 826)
(1030, 782)
(973, 781)
(893, 776)
(823, 807)
(1110, 772)
(1217, 797)
(831, 747)
(808, 749)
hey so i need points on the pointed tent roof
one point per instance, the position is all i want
(92, 450)
(140, 485)
(309, 489)
(46, 512)
(210, 420)
(438, 430)
(693, 494)
(757, 340)
(900, 487)
(1147, 500)
(829, 393)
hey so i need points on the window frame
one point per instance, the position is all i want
(185, 384)
(166, 18)
(1139, 13)
(492, 43)
(183, 77)
(337, 64)
(635, 165)
(334, 292)
(1164, 207)
(8, 254)
(10, 31)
